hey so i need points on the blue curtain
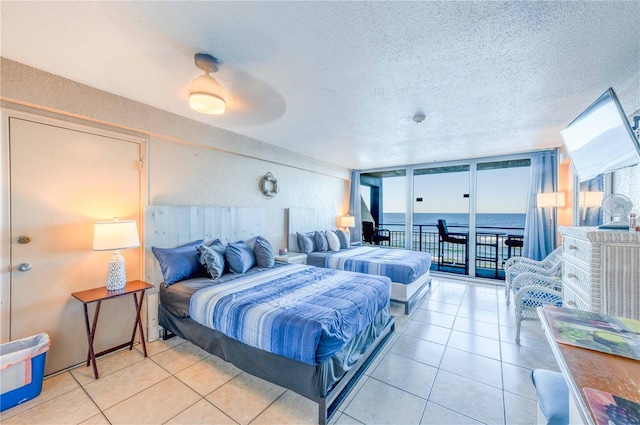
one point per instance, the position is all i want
(354, 207)
(539, 224)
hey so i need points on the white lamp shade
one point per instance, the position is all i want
(550, 200)
(205, 96)
(591, 199)
(114, 235)
(347, 221)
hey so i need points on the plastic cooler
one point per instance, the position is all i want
(22, 369)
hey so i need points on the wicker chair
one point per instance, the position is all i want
(535, 291)
(550, 266)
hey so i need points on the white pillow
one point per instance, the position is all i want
(334, 242)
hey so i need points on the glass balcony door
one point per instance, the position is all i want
(501, 200)
(442, 193)
(384, 204)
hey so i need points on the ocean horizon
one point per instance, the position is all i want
(511, 222)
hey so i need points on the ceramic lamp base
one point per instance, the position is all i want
(116, 275)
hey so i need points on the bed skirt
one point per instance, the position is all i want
(327, 383)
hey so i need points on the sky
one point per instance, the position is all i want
(499, 191)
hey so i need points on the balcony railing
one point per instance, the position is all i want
(494, 245)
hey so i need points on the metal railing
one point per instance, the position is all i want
(494, 245)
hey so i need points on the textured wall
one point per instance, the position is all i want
(627, 181)
(189, 163)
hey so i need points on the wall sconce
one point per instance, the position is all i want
(587, 199)
(590, 199)
(550, 200)
(115, 235)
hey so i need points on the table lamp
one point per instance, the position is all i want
(346, 222)
(115, 235)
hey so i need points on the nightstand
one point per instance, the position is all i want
(292, 257)
(97, 295)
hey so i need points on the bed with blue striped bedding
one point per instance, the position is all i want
(300, 312)
(399, 265)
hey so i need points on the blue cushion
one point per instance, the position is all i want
(306, 243)
(553, 395)
(212, 258)
(263, 253)
(239, 256)
(343, 238)
(179, 263)
(321, 241)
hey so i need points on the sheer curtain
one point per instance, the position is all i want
(354, 207)
(539, 224)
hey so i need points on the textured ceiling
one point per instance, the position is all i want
(340, 81)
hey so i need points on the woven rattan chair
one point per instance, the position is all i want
(534, 291)
(550, 266)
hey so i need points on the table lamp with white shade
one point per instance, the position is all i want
(347, 221)
(114, 236)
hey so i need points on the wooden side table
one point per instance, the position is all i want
(100, 294)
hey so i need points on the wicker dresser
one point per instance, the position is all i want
(601, 271)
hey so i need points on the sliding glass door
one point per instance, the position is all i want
(469, 215)
(384, 207)
(441, 216)
(501, 201)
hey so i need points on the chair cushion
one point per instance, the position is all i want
(553, 396)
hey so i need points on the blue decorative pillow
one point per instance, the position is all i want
(263, 253)
(239, 256)
(332, 240)
(306, 242)
(344, 239)
(179, 263)
(321, 241)
(212, 258)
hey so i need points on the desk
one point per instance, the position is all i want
(100, 294)
(584, 368)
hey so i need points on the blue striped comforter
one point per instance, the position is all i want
(299, 312)
(399, 265)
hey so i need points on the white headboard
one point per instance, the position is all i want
(304, 220)
(170, 226)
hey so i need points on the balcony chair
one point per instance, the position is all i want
(534, 291)
(452, 238)
(513, 241)
(550, 266)
(374, 235)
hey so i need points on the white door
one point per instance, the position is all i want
(62, 181)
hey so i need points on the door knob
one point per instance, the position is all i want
(24, 239)
(24, 267)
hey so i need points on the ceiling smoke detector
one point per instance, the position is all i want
(418, 118)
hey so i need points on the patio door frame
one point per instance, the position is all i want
(473, 167)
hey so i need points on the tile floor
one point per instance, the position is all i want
(452, 361)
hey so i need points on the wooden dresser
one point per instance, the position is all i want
(601, 271)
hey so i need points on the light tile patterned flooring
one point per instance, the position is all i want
(452, 361)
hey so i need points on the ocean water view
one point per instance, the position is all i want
(503, 222)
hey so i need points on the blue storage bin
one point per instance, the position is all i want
(22, 369)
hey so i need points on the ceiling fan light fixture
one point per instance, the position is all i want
(206, 94)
